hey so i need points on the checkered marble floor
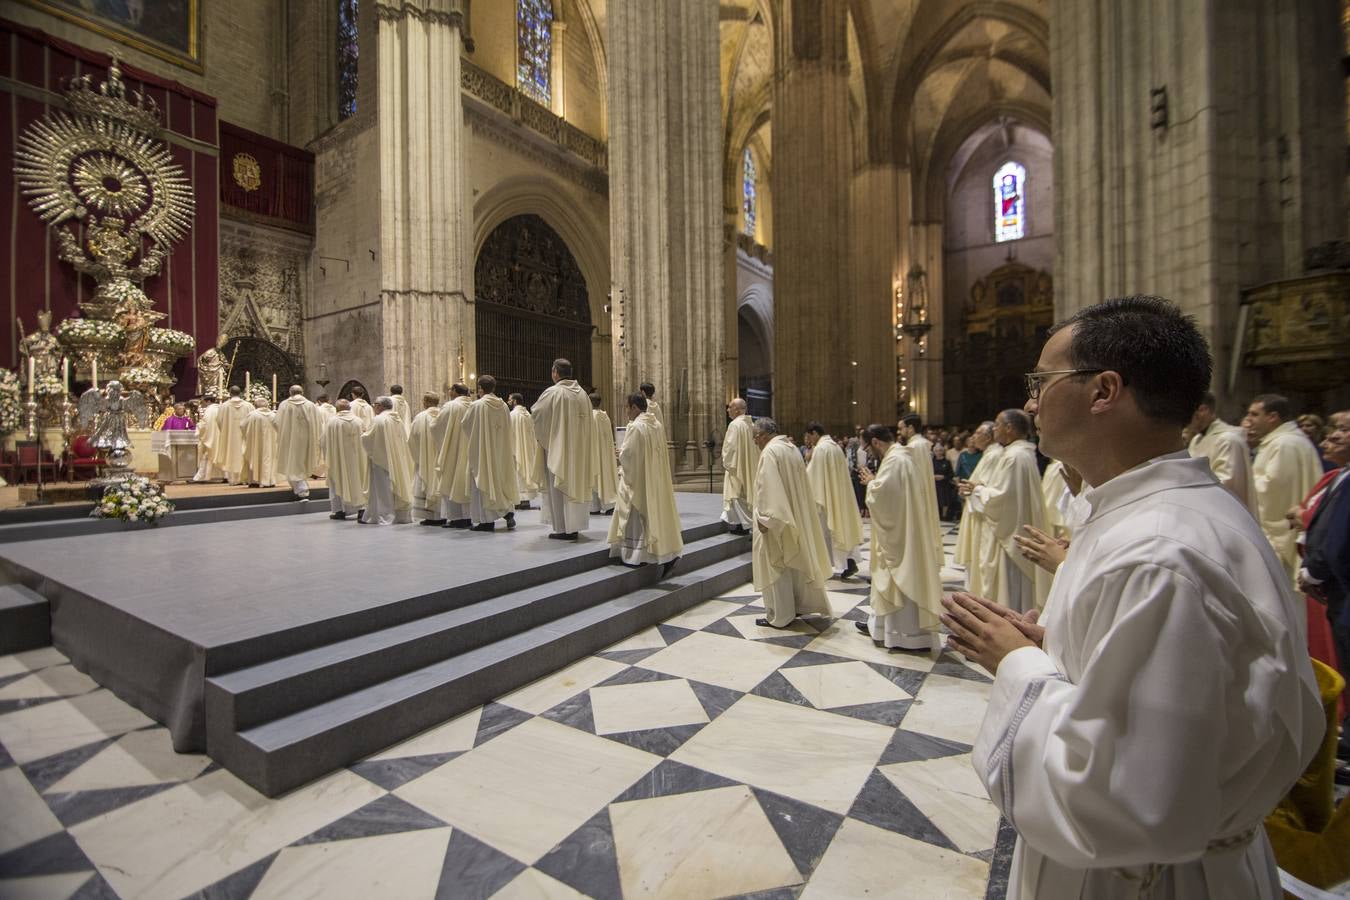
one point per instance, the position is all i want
(704, 757)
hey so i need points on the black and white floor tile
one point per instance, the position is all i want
(704, 757)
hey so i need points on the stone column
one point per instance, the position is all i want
(811, 164)
(426, 283)
(876, 267)
(666, 211)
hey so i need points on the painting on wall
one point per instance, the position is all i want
(169, 29)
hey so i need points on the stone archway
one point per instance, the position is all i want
(261, 359)
(754, 349)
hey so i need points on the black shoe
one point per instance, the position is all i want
(570, 536)
(765, 623)
(460, 523)
(486, 526)
(338, 515)
(524, 505)
(510, 521)
(360, 521)
(862, 626)
(850, 569)
(665, 570)
(563, 536)
(432, 522)
(608, 512)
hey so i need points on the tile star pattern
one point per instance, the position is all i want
(706, 756)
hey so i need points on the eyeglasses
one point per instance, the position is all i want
(1035, 380)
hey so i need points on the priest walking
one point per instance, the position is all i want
(790, 561)
(260, 447)
(424, 442)
(299, 425)
(451, 483)
(606, 467)
(833, 491)
(1285, 469)
(740, 460)
(362, 409)
(348, 468)
(228, 452)
(1225, 446)
(565, 430)
(208, 435)
(968, 537)
(401, 407)
(391, 468)
(491, 471)
(646, 526)
(524, 450)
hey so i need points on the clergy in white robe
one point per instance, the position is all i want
(326, 412)
(208, 435)
(490, 476)
(450, 486)
(424, 442)
(565, 430)
(827, 471)
(364, 412)
(260, 447)
(790, 562)
(1137, 741)
(299, 425)
(606, 465)
(646, 525)
(348, 467)
(228, 452)
(740, 460)
(401, 407)
(1225, 446)
(910, 432)
(967, 550)
(649, 391)
(391, 469)
(1009, 498)
(524, 451)
(1286, 468)
(906, 565)
(1057, 496)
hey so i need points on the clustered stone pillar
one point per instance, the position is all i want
(426, 278)
(811, 163)
(665, 211)
(876, 267)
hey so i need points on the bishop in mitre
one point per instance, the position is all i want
(740, 460)
(646, 526)
(1286, 468)
(1009, 498)
(208, 435)
(451, 483)
(401, 407)
(361, 408)
(424, 442)
(649, 391)
(260, 447)
(524, 450)
(790, 561)
(348, 468)
(827, 471)
(1225, 446)
(490, 475)
(326, 412)
(565, 429)
(299, 426)
(391, 469)
(966, 554)
(906, 594)
(228, 452)
(606, 464)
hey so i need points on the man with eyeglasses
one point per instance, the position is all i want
(1139, 735)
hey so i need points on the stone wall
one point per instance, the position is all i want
(264, 283)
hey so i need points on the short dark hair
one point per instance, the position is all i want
(563, 368)
(912, 420)
(322, 398)
(358, 392)
(487, 383)
(1156, 349)
(647, 388)
(395, 388)
(210, 398)
(517, 397)
(234, 390)
(1277, 404)
(638, 399)
(816, 428)
(459, 389)
(429, 400)
(1208, 400)
(883, 433)
(596, 399)
(1017, 420)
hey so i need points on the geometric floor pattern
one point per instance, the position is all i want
(703, 757)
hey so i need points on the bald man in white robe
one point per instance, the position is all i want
(348, 466)
(490, 477)
(827, 470)
(228, 452)
(646, 525)
(299, 426)
(260, 447)
(968, 537)
(740, 461)
(391, 469)
(565, 430)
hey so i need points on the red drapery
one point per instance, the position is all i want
(31, 277)
(284, 192)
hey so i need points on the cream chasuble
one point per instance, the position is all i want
(1010, 498)
(1285, 470)
(229, 447)
(646, 525)
(260, 448)
(348, 469)
(364, 412)
(606, 469)
(830, 485)
(922, 450)
(208, 437)
(299, 425)
(968, 537)
(326, 412)
(1172, 706)
(740, 461)
(1225, 446)
(906, 564)
(404, 412)
(491, 470)
(655, 409)
(525, 452)
(424, 443)
(1055, 492)
(452, 458)
(788, 539)
(566, 432)
(387, 447)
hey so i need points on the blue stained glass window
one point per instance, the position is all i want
(1010, 202)
(348, 53)
(748, 201)
(534, 38)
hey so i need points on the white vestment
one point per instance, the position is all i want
(525, 452)
(208, 434)
(391, 471)
(404, 412)
(424, 442)
(906, 594)
(790, 561)
(830, 485)
(1055, 491)
(655, 409)
(967, 552)
(1010, 498)
(565, 430)
(326, 412)
(491, 468)
(1225, 446)
(228, 452)
(364, 412)
(1285, 470)
(1172, 707)
(740, 461)
(922, 450)
(348, 468)
(259, 432)
(646, 525)
(606, 468)
(451, 482)
(299, 424)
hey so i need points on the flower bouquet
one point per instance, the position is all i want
(179, 343)
(259, 391)
(90, 333)
(11, 409)
(133, 499)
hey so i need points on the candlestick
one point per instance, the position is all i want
(274, 390)
(31, 376)
(95, 373)
(248, 383)
(65, 375)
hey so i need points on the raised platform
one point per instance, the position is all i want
(297, 644)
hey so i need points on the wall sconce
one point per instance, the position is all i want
(914, 321)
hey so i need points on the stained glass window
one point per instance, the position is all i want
(534, 38)
(748, 203)
(1010, 202)
(348, 49)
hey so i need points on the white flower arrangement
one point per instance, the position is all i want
(134, 375)
(179, 342)
(259, 391)
(120, 290)
(90, 331)
(49, 386)
(133, 499)
(11, 409)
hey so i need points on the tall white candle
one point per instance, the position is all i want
(95, 373)
(65, 374)
(248, 383)
(31, 376)
(274, 390)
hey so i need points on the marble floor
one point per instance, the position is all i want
(704, 757)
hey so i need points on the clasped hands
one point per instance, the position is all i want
(985, 632)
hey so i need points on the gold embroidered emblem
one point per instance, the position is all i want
(247, 172)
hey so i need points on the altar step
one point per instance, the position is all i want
(25, 619)
(282, 718)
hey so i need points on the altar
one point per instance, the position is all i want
(177, 454)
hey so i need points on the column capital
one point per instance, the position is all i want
(439, 12)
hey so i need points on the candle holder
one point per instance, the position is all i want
(35, 435)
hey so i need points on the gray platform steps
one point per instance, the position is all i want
(281, 718)
(25, 619)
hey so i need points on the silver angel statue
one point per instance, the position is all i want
(103, 414)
